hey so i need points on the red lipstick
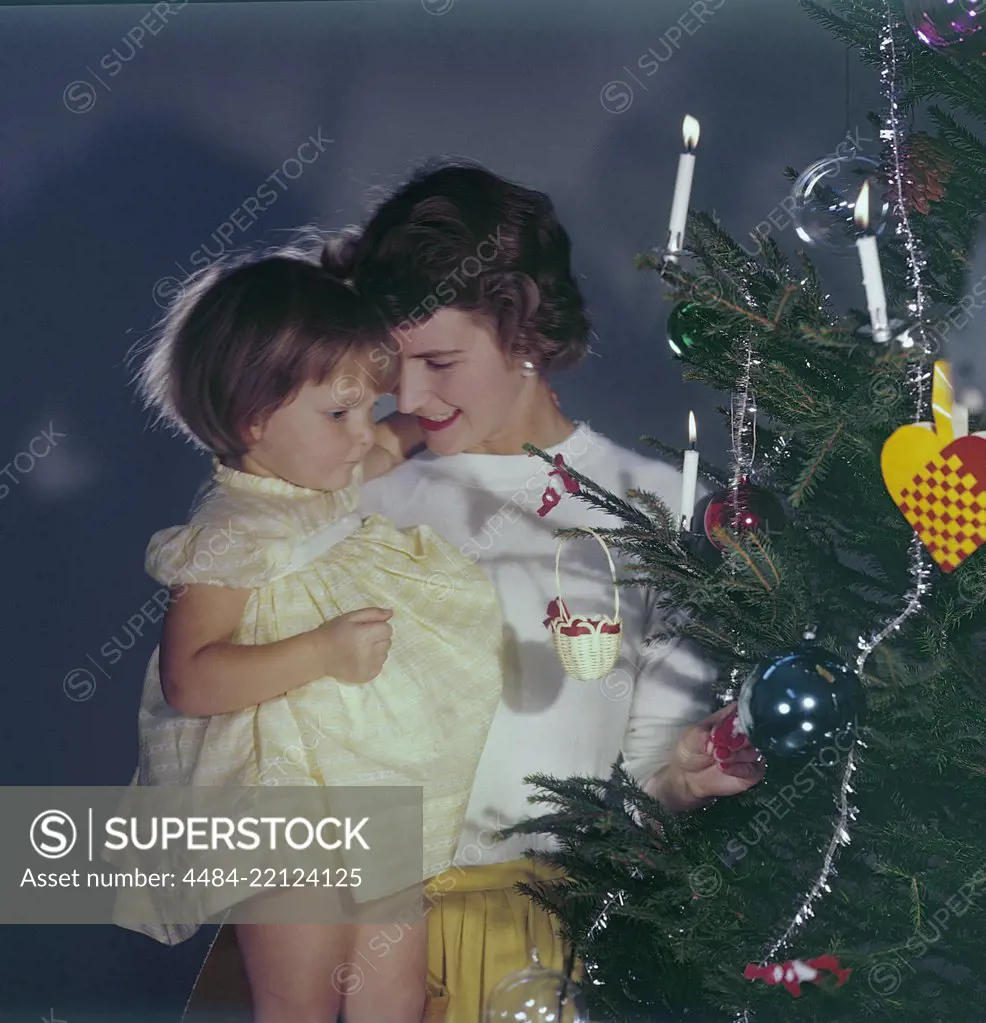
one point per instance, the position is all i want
(432, 425)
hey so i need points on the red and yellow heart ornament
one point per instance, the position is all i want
(936, 474)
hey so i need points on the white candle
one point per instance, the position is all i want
(869, 258)
(960, 420)
(682, 189)
(689, 478)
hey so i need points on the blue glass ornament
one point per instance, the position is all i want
(796, 700)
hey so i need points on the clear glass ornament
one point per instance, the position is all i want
(536, 995)
(825, 201)
(953, 27)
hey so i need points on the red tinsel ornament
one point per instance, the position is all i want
(797, 971)
(925, 172)
(726, 738)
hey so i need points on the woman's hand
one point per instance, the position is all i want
(696, 774)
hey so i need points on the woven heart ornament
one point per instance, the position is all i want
(936, 475)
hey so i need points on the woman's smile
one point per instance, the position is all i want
(439, 422)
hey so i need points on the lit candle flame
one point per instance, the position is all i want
(692, 432)
(689, 132)
(861, 211)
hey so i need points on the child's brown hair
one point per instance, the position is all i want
(242, 339)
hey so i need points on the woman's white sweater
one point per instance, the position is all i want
(547, 722)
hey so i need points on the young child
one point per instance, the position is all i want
(373, 652)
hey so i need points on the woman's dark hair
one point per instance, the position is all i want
(241, 340)
(460, 236)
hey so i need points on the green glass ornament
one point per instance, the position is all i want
(688, 327)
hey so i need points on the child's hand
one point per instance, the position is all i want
(354, 646)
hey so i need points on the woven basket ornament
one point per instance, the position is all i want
(588, 645)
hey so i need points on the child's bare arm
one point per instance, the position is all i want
(203, 673)
(398, 437)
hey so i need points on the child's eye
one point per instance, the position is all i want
(338, 414)
(431, 364)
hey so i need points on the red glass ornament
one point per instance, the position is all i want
(751, 508)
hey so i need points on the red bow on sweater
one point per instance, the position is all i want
(794, 971)
(551, 497)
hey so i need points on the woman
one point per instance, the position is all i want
(474, 272)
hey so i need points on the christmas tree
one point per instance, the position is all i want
(865, 854)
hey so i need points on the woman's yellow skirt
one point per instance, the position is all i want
(479, 930)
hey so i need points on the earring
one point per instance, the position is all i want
(529, 369)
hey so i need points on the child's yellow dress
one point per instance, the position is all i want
(307, 556)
